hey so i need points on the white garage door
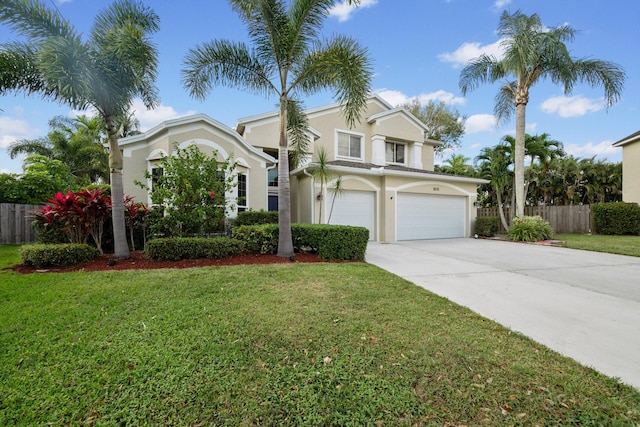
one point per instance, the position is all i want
(425, 216)
(352, 208)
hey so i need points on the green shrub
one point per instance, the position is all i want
(47, 234)
(256, 218)
(330, 242)
(487, 226)
(530, 229)
(41, 255)
(616, 218)
(177, 248)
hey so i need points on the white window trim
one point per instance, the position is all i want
(362, 145)
(406, 153)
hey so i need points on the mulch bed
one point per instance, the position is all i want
(139, 261)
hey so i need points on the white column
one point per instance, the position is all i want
(377, 154)
(415, 158)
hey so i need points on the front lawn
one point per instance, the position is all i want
(622, 245)
(290, 344)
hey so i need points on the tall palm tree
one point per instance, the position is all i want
(116, 63)
(287, 60)
(533, 52)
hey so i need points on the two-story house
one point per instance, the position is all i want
(385, 165)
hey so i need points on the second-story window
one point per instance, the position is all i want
(350, 146)
(394, 152)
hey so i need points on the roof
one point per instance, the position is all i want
(397, 170)
(181, 121)
(634, 137)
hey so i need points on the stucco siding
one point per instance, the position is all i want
(631, 172)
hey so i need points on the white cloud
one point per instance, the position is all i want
(501, 3)
(343, 11)
(396, 98)
(602, 149)
(13, 129)
(571, 106)
(480, 123)
(147, 118)
(471, 50)
(151, 118)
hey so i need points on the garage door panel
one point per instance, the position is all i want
(353, 208)
(425, 216)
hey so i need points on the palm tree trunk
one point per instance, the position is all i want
(120, 245)
(285, 239)
(503, 219)
(519, 158)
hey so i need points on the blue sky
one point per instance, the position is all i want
(418, 48)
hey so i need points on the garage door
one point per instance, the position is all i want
(353, 208)
(425, 216)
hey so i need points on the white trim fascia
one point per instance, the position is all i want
(382, 171)
(181, 121)
(432, 142)
(628, 140)
(244, 121)
(384, 115)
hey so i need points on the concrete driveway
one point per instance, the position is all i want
(585, 305)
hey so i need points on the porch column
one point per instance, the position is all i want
(415, 158)
(377, 153)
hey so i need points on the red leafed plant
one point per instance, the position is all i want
(135, 217)
(79, 214)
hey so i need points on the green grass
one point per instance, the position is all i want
(291, 344)
(9, 256)
(622, 245)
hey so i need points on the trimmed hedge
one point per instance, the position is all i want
(330, 242)
(487, 226)
(58, 255)
(530, 229)
(256, 218)
(616, 218)
(177, 248)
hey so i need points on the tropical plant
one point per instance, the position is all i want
(338, 191)
(533, 52)
(493, 164)
(192, 193)
(321, 171)
(457, 164)
(444, 122)
(76, 142)
(79, 214)
(136, 219)
(116, 63)
(287, 60)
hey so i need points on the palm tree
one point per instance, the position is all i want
(76, 142)
(287, 61)
(493, 164)
(116, 63)
(320, 171)
(533, 52)
(456, 164)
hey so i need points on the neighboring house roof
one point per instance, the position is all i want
(392, 170)
(634, 137)
(168, 124)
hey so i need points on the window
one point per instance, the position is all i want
(272, 177)
(394, 152)
(156, 174)
(350, 146)
(242, 192)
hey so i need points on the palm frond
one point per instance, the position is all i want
(40, 146)
(32, 19)
(342, 65)
(597, 72)
(484, 69)
(298, 131)
(504, 101)
(221, 62)
(19, 70)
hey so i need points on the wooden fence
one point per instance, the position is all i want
(15, 223)
(563, 219)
